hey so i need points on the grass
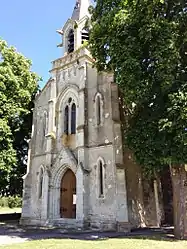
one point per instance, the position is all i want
(7, 210)
(131, 243)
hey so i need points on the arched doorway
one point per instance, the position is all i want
(68, 195)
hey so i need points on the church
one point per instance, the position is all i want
(79, 174)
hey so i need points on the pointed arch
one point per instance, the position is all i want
(66, 120)
(73, 119)
(45, 123)
(101, 187)
(98, 110)
(98, 106)
(71, 41)
(65, 101)
(101, 177)
(40, 182)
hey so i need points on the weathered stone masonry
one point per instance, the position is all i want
(77, 127)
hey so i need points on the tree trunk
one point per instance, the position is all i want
(179, 182)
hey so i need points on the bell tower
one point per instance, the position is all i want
(75, 31)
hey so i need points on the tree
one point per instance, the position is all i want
(145, 44)
(17, 88)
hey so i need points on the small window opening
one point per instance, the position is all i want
(85, 35)
(66, 120)
(40, 183)
(101, 187)
(98, 106)
(73, 119)
(45, 124)
(71, 41)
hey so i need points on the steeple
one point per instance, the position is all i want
(74, 33)
(80, 9)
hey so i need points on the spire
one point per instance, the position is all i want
(80, 9)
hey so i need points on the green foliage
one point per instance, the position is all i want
(11, 201)
(145, 44)
(18, 85)
(3, 201)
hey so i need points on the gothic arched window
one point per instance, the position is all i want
(40, 186)
(70, 117)
(101, 177)
(45, 120)
(66, 120)
(98, 110)
(101, 189)
(71, 42)
(73, 118)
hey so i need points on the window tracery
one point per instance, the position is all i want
(70, 117)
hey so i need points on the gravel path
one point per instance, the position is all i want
(12, 233)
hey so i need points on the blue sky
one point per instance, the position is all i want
(31, 26)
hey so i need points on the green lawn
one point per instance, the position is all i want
(102, 244)
(7, 210)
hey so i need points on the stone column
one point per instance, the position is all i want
(26, 200)
(44, 209)
(79, 193)
(82, 177)
(51, 135)
(121, 197)
(51, 121)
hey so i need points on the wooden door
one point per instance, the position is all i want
(68, 195)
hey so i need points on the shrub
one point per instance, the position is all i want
(10, 201)
(3, 202)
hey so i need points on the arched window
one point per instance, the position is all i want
(40, 186)
(85, 35)
(66, 120)
(73, 118)
(69, 116)
(45, 124)
(98, 110)
(71, 41)
(101, 179)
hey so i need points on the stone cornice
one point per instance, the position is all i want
(72, 58)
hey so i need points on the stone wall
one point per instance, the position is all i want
(123, 199)
(102, 209)
(141, 196)
(134, 191)
(153, 207)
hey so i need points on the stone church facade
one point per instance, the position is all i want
(79, 175)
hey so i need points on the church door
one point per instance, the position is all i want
(68, 195)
